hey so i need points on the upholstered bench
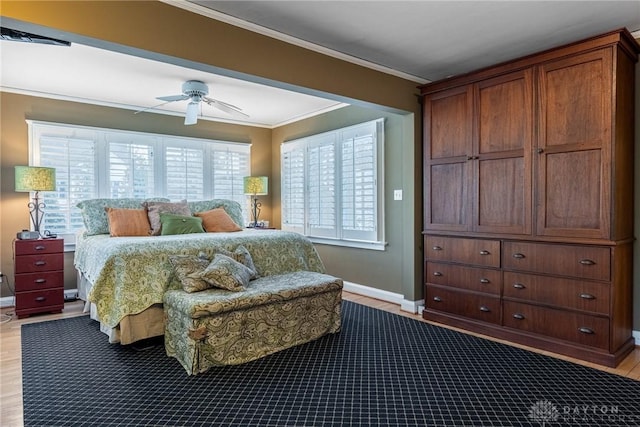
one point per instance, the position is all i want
(218, 327)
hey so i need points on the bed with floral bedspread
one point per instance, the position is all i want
(126, 276)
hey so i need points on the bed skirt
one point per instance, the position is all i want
(135, 327)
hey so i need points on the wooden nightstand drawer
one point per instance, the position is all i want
(33, 263)
(39, 281)
(44, 246)
(37, 301)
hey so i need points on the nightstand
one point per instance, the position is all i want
(39, 276)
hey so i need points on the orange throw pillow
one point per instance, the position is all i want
(217, 220)
(128, 222)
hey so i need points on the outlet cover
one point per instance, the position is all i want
(397, 194)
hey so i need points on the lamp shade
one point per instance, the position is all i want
(32, 178)
(256, 185)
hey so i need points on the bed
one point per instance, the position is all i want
(123, 279)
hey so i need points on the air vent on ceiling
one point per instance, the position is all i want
(21, 36)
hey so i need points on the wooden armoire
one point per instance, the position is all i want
(528, 199)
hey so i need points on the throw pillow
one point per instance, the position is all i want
(154, 209)
(242, 255)
(187, 269)
(226, 273)
(232, 207)
(217, 220)
(128, 222)
(179, 224)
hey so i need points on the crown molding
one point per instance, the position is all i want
(228, 19)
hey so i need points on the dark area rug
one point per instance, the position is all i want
(381, 370)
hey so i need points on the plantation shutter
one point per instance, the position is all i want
(131, 170)
(293, 187)
(184, 173)
(358, 183)
(74, 161)
(322, 186)
(229, 167)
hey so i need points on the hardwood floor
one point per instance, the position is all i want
(11, 356)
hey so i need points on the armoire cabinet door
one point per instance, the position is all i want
(502, 153)
(447, 179)
(574, 146)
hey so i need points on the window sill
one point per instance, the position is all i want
(375, 246)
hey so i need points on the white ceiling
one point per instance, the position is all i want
(419, 40)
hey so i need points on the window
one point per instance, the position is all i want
(105, 163)
(331, 186)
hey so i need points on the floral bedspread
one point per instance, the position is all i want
(130, 274)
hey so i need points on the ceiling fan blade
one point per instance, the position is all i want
(191, 118)
(227, 108)
(172, 98)
(152, 107)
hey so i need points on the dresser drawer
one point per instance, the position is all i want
(34, 263)
(588, 262)
(467, 278)
(559, 292)
(39, 300)
(481, 252)
(578, 328)
(475, 306)
(44, 246)
(35, 281)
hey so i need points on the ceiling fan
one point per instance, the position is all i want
(196, 91)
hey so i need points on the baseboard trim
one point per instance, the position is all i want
(392, 297)
(69, 294)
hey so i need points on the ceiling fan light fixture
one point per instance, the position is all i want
(191, 118)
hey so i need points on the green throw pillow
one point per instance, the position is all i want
(180, 224)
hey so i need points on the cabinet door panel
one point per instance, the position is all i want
(576, 99)
(503, 196)
(574, 147)
(446, 207)
(448, 127)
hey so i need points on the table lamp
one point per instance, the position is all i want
(32, 178)
(255, 186)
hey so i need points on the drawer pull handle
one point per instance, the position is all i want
(485, 281)
(586, 330)
(518, 316)
(39, 281)
(485, 309)
(437, 299)
(483, 252)
(40, 299)
(40, 263)
(587, 262)
(587, 296)
(437, 273)
(519, 286)
(437, 248)
(518, 256)
(39, 248)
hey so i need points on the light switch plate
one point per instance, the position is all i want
(397, 194)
